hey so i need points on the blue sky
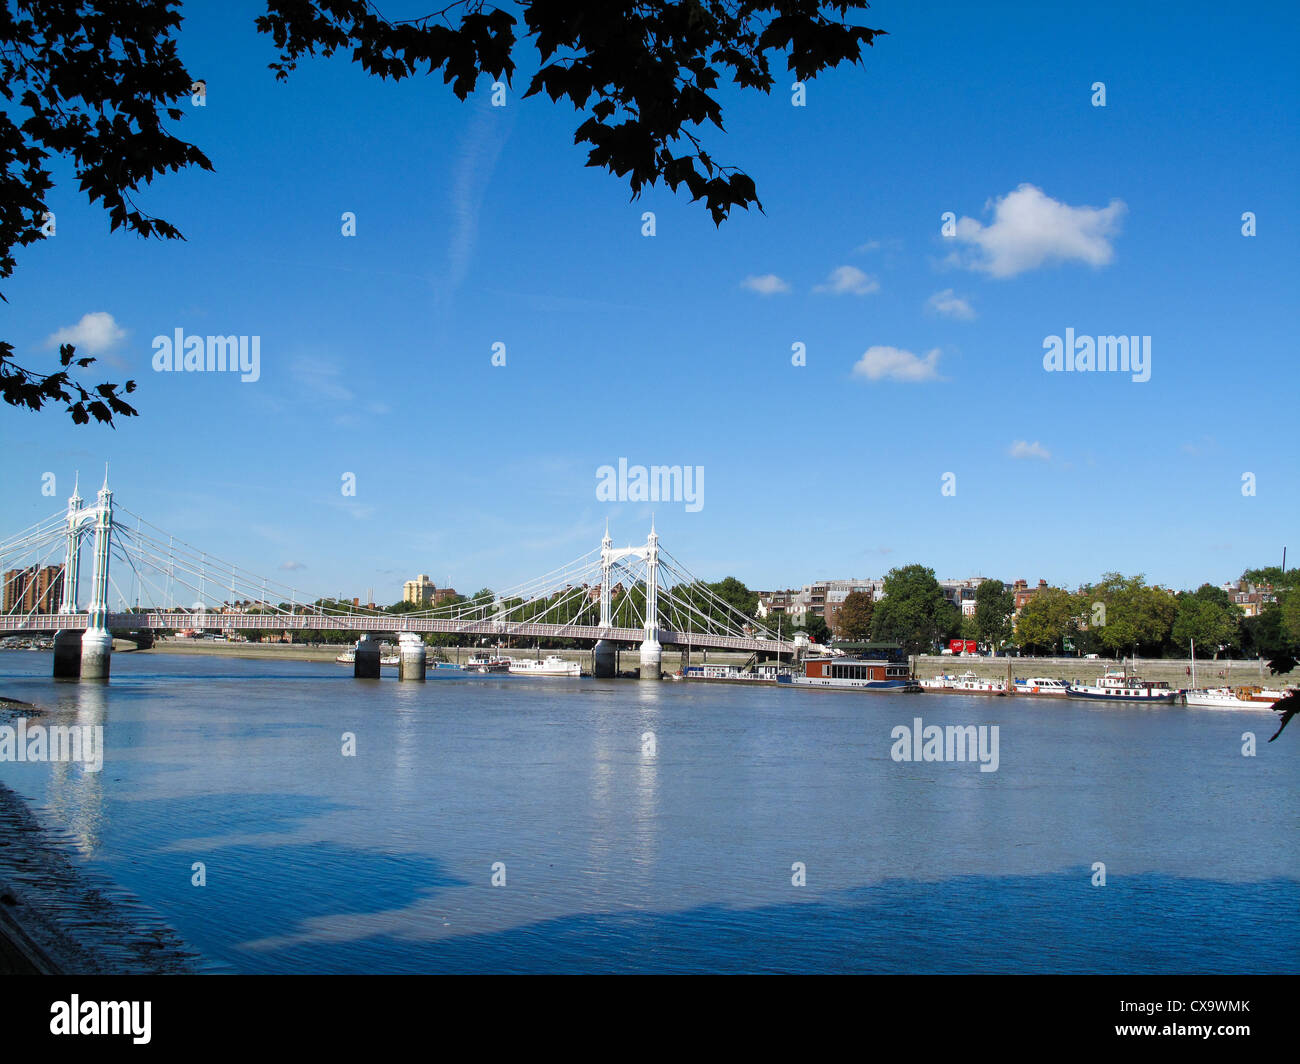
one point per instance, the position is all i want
(478, 225)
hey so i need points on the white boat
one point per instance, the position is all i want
(1248, 697)
(486, 663)
(551, 665)
(1038, 685)
(388, 656)
(766, 673)
(1118, 686)
(967, 683)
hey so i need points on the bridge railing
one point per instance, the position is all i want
(226, 622)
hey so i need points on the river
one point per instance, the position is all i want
(499, 823)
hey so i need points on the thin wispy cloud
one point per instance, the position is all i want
(292, 567)
(767, 284)
(1024, 449)
(951, 305)
(882, 363)
(1030, 229)
(319, 378)
(848, 280)
(472, 173)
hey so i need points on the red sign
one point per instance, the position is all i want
(959, 645)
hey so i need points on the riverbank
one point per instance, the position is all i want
(1176, 672)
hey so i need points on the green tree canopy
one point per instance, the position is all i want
(853, 619)
(994, 606)
(1045, 620)
(1134, 617)
(913, 611)
(1208, 617)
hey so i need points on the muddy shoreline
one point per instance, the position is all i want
(59, 918)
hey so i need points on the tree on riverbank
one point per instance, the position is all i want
(853, 619)
(913, 611)
(1208, 617)
(994, 605)
(1046, 620)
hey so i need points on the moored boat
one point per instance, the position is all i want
(1250, 696)
(1038, 685)
(486, 663)
(764, 673)
(967, 683)
(551, 665)
(1118, 686)
(860, 674)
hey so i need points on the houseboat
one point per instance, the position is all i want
(1118, 686)
(486, 663)
(767, 672)
(856, 674)
(551, 665)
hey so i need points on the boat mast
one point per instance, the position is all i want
(1193, 664)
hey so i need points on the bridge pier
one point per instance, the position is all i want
(605, 656)
(96, 653)
(411, 661)
(365, 664)
(67, 654)
(652, 657)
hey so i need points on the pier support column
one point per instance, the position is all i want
(652, 656)
(605, 659)
(411, 657)
(365, 664)
(96, 653)
(67, 654)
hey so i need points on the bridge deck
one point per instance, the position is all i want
(53, 622)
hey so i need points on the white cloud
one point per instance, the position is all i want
(895, 364)
(292, 566)
(850, 280)
(93, 335)
(1022, 449)
(870, 245)
(1031, 229)
(951, 305)
(769, 284)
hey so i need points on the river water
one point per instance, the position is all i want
(656, 826)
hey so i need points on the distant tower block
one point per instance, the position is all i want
(365, 664)
(411, 659)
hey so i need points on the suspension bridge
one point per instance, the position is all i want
(610, 597)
